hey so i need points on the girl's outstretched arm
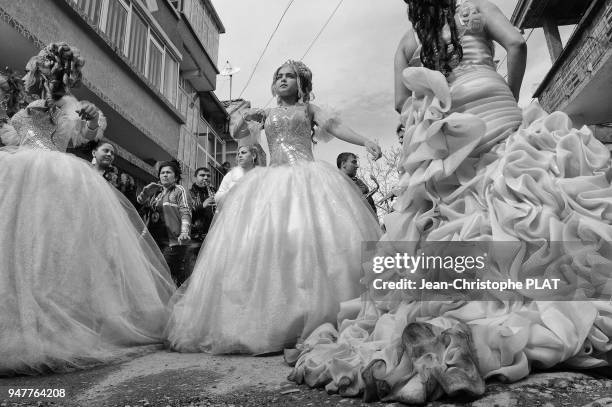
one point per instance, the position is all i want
(242, 127)
(343, 132)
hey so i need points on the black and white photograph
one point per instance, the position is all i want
(305, 203)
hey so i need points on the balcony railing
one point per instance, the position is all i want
(583, 56)
(199, 144)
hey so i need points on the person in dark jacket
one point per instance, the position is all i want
(203, 204)
(167, 207)
(348, 164)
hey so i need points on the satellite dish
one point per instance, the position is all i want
(229, 70)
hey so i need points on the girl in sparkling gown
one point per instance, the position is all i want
(476, 168)
(79, 285)
(285, 249)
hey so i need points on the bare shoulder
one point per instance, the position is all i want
(313, 111)
(485, 6)
(407, 45)
(312, 108)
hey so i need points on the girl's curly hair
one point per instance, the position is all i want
(429, 17)
(54, 71)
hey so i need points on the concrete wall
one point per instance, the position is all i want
(168, 20)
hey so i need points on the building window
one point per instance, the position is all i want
(139, 36)
(91, 8)
(202, 23)
(156, 63)
(132, 36)
(171, 79)
(116, 23)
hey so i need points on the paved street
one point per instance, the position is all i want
(164, 378)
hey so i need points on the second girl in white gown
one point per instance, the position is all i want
(285, 249)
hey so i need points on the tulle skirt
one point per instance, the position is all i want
(80, 281)
(281, 255)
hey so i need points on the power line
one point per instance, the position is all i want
(315, 38)
(266, 47)
(322, 28)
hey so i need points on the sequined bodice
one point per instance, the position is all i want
(288, 130)
(36, 127)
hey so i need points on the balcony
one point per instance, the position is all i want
(579, 81)
(200, 145)
(200, 34)
(202, 20)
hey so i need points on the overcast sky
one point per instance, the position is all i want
(352, 60)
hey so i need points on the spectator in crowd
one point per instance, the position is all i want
(203, 204)
(103, 154)
(167, 213)
(112, 176)
(203, 210)
(127, 186)
(348, 164)
(248, 158)
(225, 168)
(400, 133)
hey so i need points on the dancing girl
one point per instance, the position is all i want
(285, 249)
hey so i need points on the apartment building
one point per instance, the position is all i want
(151, 67)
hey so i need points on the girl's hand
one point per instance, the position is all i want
(373, 149)
(255, 115)
(88, 112)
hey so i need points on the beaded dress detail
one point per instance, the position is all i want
(37, 125)
(288, 131)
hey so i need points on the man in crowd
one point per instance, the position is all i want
(202, 197)
(400, 133)
(348, 164)
(203, 210)
(225, 168)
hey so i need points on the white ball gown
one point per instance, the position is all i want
(281, 255)
(79, 285)
(478, 169)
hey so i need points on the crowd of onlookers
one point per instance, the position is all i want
(177, 218)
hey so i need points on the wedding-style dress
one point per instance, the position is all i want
(476, 168)
(79, 282)
(282, 253)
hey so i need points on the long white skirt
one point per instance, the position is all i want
(281, 255)
(80, 283)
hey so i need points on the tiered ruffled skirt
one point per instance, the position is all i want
(545, 182)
